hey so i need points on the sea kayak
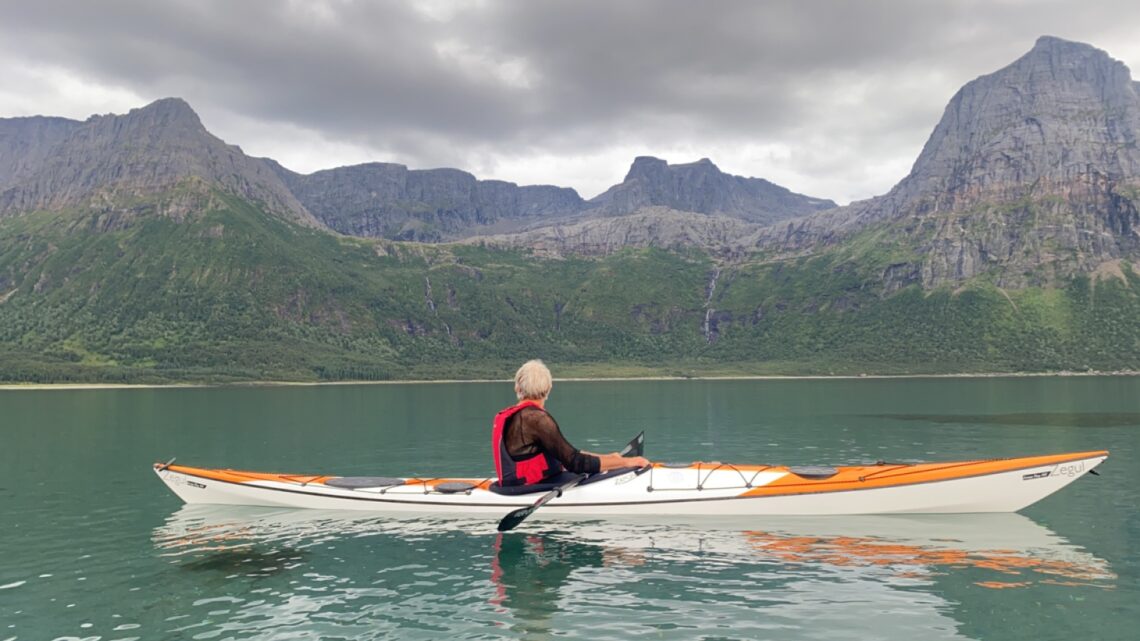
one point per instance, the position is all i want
(705, 489)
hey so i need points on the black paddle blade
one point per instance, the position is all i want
(518, 516)
(514, 518)
(636, 447)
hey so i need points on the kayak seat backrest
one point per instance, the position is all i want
(565, 477)
(360, 482)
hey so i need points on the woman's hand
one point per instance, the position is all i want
(613, 461)
(637, 461)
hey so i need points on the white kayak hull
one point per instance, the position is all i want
(701, 489)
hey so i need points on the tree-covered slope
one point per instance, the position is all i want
(829, 314)
(232, 292)
(200, 285)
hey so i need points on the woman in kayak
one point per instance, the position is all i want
(528, 446)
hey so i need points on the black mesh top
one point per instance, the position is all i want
(532, 430)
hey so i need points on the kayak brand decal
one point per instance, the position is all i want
(625, 478)
(179, 479)
(1070, 470)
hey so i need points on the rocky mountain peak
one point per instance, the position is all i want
(167, 112)
(166, 119)
(1060, 53)
(650, 167)
(646, 167)
(1061, 111)
(112, 158)
(1033, 173)
(701, 187)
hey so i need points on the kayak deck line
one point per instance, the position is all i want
(701, 488)
(244, 477)
(849, 478)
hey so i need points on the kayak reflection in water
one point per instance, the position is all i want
(527, 573)
(528, 446)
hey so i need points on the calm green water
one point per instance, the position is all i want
(92, 546)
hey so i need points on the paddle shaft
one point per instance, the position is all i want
(518, 516)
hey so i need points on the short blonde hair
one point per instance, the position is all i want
(533, 381)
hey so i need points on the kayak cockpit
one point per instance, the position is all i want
(362, 482)
(565, 477)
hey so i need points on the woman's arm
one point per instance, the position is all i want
(542, 429)
(614, 461)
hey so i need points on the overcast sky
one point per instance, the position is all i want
(831, 98)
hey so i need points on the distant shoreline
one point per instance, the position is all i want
(594, 379)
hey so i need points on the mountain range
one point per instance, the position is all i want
(141, 247)
(54, 163)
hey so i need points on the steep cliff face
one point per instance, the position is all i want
(387, 200)
(703, 188)
(27, 143)
(1063, 115)
(658, 227)
(1032, 174)
(52, 163)
(665, 206)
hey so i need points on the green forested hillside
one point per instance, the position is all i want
(202, 286)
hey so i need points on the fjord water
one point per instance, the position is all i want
(92, 546)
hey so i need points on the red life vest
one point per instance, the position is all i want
(532, 469)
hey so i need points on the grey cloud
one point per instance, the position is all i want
(562, 77)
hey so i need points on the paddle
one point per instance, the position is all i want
(634, 448)
(518, 516)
